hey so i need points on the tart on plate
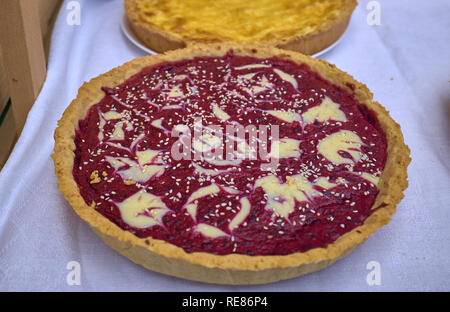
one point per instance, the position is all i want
(317, 168)
(306, 26)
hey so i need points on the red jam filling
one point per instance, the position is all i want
(108, 141)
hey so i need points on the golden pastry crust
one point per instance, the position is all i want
(161, 40)
(163, 257)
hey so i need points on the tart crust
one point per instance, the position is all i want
(160, 40)
(163, 257)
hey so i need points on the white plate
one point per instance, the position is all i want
(126, 28)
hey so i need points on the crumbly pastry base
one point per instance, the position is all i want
(160, 40)
(163, 257)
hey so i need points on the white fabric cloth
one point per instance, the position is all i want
(405, 62)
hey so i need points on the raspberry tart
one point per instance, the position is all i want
(306, 26)
(333, 172)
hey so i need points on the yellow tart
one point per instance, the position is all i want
(306, 26)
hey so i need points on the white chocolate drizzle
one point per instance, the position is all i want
(241, 215)
(341, 141)
(327, 110)
(210, 231)
(142, 210)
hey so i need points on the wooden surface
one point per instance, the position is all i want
(4, 91)
(8, 137)
(47, 13)
(25, 31)
(46, 10)
(23, 55)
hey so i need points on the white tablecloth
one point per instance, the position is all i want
(405, 62)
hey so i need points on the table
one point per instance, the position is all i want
(405, 62)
